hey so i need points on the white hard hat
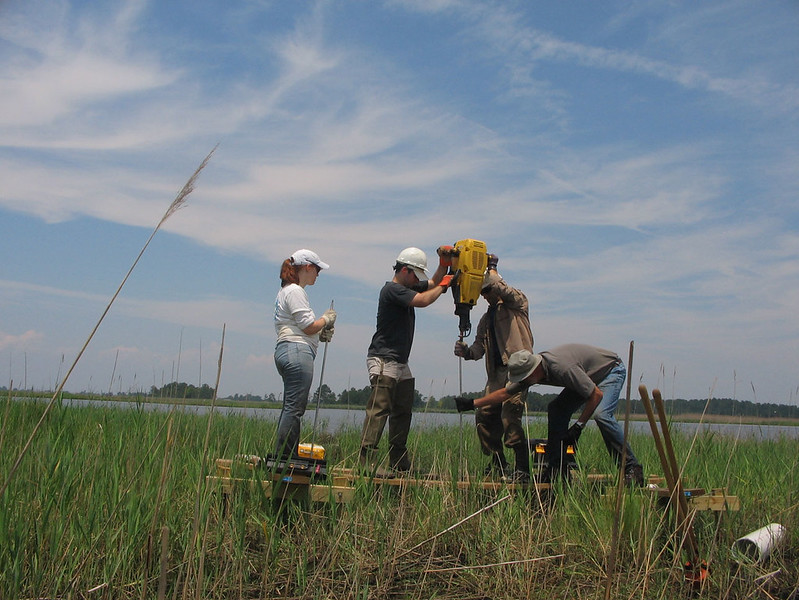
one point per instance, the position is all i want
(416, 260)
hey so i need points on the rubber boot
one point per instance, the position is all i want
(522, 454)
(399, 425)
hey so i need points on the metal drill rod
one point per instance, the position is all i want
(319, 393)
(460, 414)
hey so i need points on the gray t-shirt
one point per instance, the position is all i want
(576, 367)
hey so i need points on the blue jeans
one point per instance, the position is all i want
(561, 409)
(604, 415)
(294, 362)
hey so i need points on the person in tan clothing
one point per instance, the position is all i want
(502, 330)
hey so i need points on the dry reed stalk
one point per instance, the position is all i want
(614, 543)
(164, 563)
(454, 526)
(176, 205)
(113, 372)
(499, 564)
(5, 416)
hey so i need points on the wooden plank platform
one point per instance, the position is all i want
(293, 489)
(229, 476)
(717, 500)
(342, 484)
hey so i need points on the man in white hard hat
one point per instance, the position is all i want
(502, 330)
(391, 379)
(591, 377)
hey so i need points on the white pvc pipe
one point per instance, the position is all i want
(756, 547)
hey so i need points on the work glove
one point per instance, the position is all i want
(493, 261)
(464, 404)
(573, 434)
(330, 317)
(326, 334)
(445, 254)
(461, 348)
(450, 279)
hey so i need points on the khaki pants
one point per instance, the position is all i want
(391, 400)
(500, 426)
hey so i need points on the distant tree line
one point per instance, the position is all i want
(535, 402)
(538, 403)
(180, 390)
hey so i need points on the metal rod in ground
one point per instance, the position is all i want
(319, 393)
(620, 483)
(460, 414)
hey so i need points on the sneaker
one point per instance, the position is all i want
(518, 477)
(634, 476)
(378, 472)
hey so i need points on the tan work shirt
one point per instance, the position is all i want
(511, 327)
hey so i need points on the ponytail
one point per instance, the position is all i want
(288, 273)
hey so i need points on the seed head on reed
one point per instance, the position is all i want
(180, 200)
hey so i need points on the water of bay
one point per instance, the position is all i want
(331, 420)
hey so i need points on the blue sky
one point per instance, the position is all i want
(633, 164)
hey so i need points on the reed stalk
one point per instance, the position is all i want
(176, 205)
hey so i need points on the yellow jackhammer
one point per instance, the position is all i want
(469, 262)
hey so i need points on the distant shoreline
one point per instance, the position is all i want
(229, 403)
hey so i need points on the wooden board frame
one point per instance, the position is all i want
(344, 481)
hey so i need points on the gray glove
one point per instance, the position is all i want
(461, 348)
(330, 317)
(326, 334)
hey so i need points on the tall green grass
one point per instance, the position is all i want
(114, 504)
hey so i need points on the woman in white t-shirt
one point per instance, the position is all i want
(298, 334)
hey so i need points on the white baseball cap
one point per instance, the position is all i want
(308, 257)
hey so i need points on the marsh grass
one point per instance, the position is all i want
(107, 506)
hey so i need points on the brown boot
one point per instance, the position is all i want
(634, 476)
(368, 465)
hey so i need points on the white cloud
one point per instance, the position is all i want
(17, 342)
